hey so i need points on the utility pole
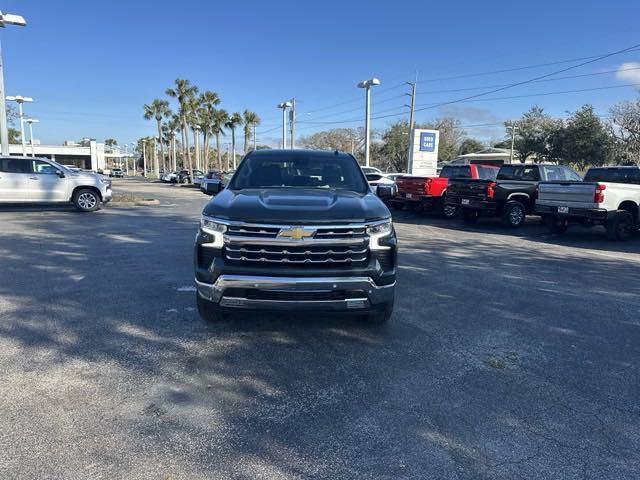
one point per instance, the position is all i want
(155, 158)
(411, 110)
(292, 121)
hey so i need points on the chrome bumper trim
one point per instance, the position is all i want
(372, 294)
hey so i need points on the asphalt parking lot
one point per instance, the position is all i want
(510, 355)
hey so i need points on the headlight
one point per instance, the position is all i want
(215, 229)
(377, 232)
(380, 228)
(105, 181)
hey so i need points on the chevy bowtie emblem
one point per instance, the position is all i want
(297, 233)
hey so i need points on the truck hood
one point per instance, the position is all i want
(296, 206)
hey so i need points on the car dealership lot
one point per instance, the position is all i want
(510, 355)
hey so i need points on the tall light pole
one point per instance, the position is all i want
(284, 106)
(6, 19)
(19, 99)
(144, 157)
(513, 129)
(367, 84)
(411, 110)
(292, 122)
(31, 121)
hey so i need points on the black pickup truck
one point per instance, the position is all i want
(511, 196)
(299, 231)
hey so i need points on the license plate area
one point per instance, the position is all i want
(465, 201)
(408, 195)
(563, 209)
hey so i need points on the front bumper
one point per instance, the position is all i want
(107, 195)
(296, 293)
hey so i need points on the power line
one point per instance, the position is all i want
(566, 77)
(542, 94)
(526, 67)
(496, 98)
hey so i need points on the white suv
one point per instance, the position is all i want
(40, 180)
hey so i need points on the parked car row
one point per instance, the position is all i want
(608, 196)
(210, 183)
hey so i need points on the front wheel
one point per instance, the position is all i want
(621, 226)
(86, 200)
(382, 314)
(556, 225)
(208, 311)
(470, 216)
(514, 215)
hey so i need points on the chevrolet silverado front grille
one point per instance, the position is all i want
(322, 245)
(296, 255)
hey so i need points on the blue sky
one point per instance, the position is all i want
(91, 65)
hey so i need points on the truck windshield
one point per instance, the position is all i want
(559, 173)
(300, 171)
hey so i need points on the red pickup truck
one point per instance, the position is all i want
(427, 193)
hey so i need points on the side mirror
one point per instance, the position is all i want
(60, 173)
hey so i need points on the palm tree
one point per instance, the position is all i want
(208, 102)
(235, 120)
(220, 119)
(173, 125)
(184, 92)
(251, 120)
(158, 109)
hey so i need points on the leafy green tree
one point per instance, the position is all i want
(393, 154)
(470, 145)
(342, 139)
(584, 140)
(184, 92)
(111, 142)
(158, 109)
(534, 132)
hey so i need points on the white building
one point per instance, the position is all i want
(89, 157)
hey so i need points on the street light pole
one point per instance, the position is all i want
(411, 110)
(292, 121)
(19, 99)
(284, 106)
(6, 18)
(31, 121)
(367, 84)
(513, 140)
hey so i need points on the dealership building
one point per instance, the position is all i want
(89, 155)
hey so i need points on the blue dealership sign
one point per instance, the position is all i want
(427, 142)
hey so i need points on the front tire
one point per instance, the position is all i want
(86, 200)
(514, 215)
(208, 311)
(470, 216)
(621, 226)
(382, 315)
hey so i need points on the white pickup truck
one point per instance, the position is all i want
(608, 196)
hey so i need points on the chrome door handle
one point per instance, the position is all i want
(34, 178)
